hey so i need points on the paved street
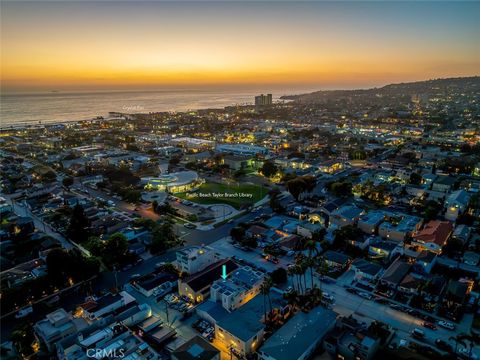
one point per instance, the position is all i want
(22, 210)
(368, 310)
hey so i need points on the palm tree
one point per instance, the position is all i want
(298, 273)
(269, 285)
(322, 269)
(310, 264)
(291, 273)
(301, 268)
(311, 246)
(265, 290)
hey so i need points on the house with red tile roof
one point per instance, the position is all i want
(433, 235)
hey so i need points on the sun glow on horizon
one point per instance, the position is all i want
(105, 44)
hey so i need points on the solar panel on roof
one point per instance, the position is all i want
(195, 350)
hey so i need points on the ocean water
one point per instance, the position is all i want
(36, 108)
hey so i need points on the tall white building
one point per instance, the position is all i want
(241, 286)
(194, 259)
(263, 99)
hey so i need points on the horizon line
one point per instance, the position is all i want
(217, 87)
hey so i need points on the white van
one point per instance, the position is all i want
(417, 333)
(24, 312)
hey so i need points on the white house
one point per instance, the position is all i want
(456, 204)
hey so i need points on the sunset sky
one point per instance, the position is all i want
(123, 45)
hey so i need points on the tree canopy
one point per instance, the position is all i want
(78, 229)
(269, 168)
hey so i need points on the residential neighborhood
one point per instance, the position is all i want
(329, 226)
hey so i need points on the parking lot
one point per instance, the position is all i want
(252, 257)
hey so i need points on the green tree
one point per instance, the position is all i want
(340, 188)
(132, 195)
(296, 187)
(237, 233)
(165, 209)
(466, 219)
(452, 247)
(122, 175)
(78, 229)
(63, 265)
(67, 182)
(345, 233)
(164, 237)
(274, 201)
(265, 291)
(250, 242)
(310, 261)
(432, 209)
(269, 168)
(170, 268)
(49, 177)
(116, 248)
(279, 276)
(415, 178)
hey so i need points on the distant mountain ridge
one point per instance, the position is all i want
(465, 84)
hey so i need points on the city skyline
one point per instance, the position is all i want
(121, 45)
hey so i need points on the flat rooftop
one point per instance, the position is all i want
(299, 333)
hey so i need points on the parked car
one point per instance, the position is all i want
(135, 276)
(171, 298)
(127, 267)
(328, 297)
(428, 318)
(208, 332)
(446, 325)
(52, 300)
(186, 315)
(443, 345)
(418, 334)
(327, 280)
(467, 354)
(190, 226)
(429, 325)
(24, 312)
(395, 306)
(365, 295)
